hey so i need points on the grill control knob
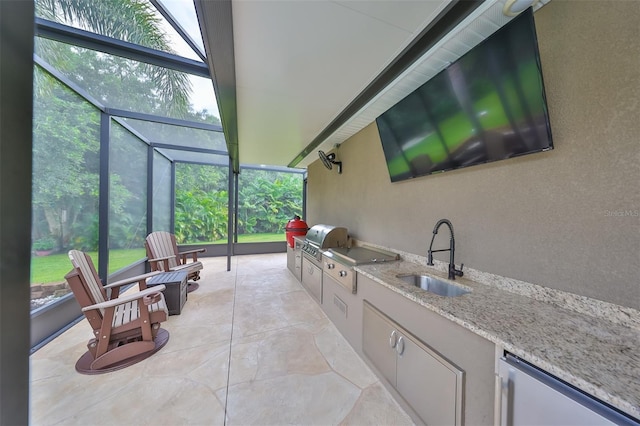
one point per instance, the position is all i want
(330, 266)
(343, 273)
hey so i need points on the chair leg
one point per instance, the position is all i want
(103, 337)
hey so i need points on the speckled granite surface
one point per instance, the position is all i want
(573, 342)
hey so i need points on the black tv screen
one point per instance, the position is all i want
(489, 105)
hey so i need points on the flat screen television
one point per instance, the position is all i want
(487, 106)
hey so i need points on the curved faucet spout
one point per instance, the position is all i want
(440, 223)
(452, 248)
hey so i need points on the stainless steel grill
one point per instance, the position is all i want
(322, 237)
(318, 239)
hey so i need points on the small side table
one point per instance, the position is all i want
(175, 294)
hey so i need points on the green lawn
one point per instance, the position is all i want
(53, 268)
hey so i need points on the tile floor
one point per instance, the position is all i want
(250, 347)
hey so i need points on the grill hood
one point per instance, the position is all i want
(326, 236)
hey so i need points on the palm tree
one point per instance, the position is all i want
(134, 21)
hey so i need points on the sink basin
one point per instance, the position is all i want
(433, 285)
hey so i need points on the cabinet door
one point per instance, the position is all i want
(335, 305)
(344, 309)
(291, 256)
(378, 342)
(312, 280)
(430, 387)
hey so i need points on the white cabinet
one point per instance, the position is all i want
(294, 258)
(344, 309)
(469, 352)
(312, 280)
(431, 385)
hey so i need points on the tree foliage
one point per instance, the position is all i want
(267, 201)
(65, 164)
(201, 203)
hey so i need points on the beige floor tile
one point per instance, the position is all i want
(192, 336)
(376, 407)
(257, 315)
(155, 401)
(289, 350)
(322, 399)
(343, 359)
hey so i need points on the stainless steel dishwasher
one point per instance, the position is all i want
(530, 396)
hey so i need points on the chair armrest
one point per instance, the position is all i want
(125, 299)
(159, 259)
(135, 279)
(193, 253)
(200, 250)
(164, 261)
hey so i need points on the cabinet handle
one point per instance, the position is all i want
(497, 402)
(393, 339)
(510, 389)
(400, 346)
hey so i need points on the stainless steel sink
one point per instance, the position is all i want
(433, 285)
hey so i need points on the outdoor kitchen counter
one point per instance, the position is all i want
(598, 356)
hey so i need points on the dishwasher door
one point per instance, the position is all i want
(529, 396)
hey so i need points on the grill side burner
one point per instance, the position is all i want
(339, 263)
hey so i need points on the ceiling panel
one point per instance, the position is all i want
(411, 16)
(299, 63)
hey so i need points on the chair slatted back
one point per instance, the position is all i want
(162, 244)
(86, 285)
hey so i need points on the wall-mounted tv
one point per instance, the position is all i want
(489, 105)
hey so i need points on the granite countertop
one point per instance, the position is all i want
(598, 356)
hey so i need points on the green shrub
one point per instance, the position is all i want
(44, 244)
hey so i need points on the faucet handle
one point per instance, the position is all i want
(429, 258)
(458, 272)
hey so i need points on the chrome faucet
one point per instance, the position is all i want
(452, 250)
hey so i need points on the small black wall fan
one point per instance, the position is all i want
(329, 160)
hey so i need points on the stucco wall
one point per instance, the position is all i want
(548, 218)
